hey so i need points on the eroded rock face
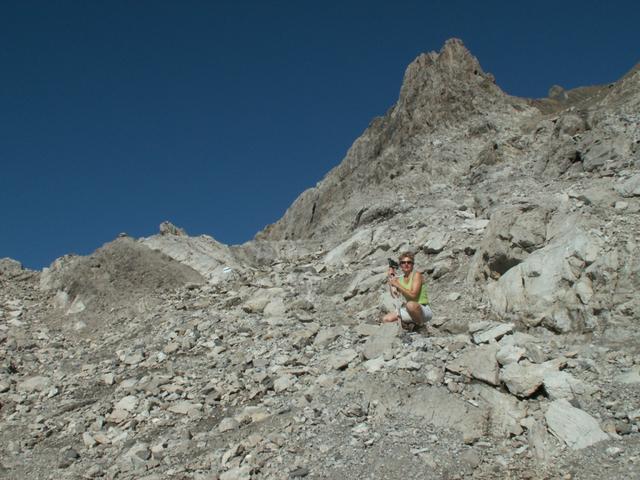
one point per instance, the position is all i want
(177, 356)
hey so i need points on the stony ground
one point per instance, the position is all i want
(206, 384)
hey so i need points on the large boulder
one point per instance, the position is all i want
(551, 285)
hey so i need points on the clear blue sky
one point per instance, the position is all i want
(216, 115)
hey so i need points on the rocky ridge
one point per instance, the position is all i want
(179, 357)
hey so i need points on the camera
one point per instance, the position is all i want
(393, 263)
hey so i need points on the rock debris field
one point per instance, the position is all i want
(180, 357)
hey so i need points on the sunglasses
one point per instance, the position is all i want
(406, 262)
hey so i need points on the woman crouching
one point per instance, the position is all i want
(416, 311)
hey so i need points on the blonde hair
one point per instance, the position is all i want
(409, 255)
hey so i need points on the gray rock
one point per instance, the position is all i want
(117, 415)
(382, 342)
(283, 383)
(524, 379)
(439, 408)
(562, 385)
(374, 365)
(328, 335)
(540, 442)
(509, 354)
(34, 384)
(483, 332)
(630, 187)
(342, 359)
(237, 473)
(128, 403)
(573, 426)
(630, 377)
(436, 243)
(506, 411)
(478, 362)
(227, 424)
(185, 407)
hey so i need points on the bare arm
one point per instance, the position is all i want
(413, 292)
(391, 276)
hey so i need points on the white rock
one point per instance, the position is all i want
(509, 354)
(34, 384)
(382, 341)
(477, 362)
(227, 424)
(128, 403)
(341, 360)
(573, 426)
(283, 383)
(487, 331)
(561, 385)
(374, 365)
(185, 408)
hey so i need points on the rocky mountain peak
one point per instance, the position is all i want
(446, 86)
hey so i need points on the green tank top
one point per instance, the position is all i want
(423, 298)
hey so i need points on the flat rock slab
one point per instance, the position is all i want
(328, 335)
(630, 187)
(524, 379)
(185, 408)
(630, 377)
(479, 363)
(562, 385)
(341, 360)
(227, 424)
(374, 365)
(366, 329)
(509, 354)
(573, 426)
(34, 384)
(283, 383)
(437, 243)
(506, 411)
(128, 403)
(486, 331)
(441, 408)
(382, 341)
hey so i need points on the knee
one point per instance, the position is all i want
(413, 307)
(390, 317)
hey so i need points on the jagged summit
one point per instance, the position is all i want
(445, 97)
(446, 87)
